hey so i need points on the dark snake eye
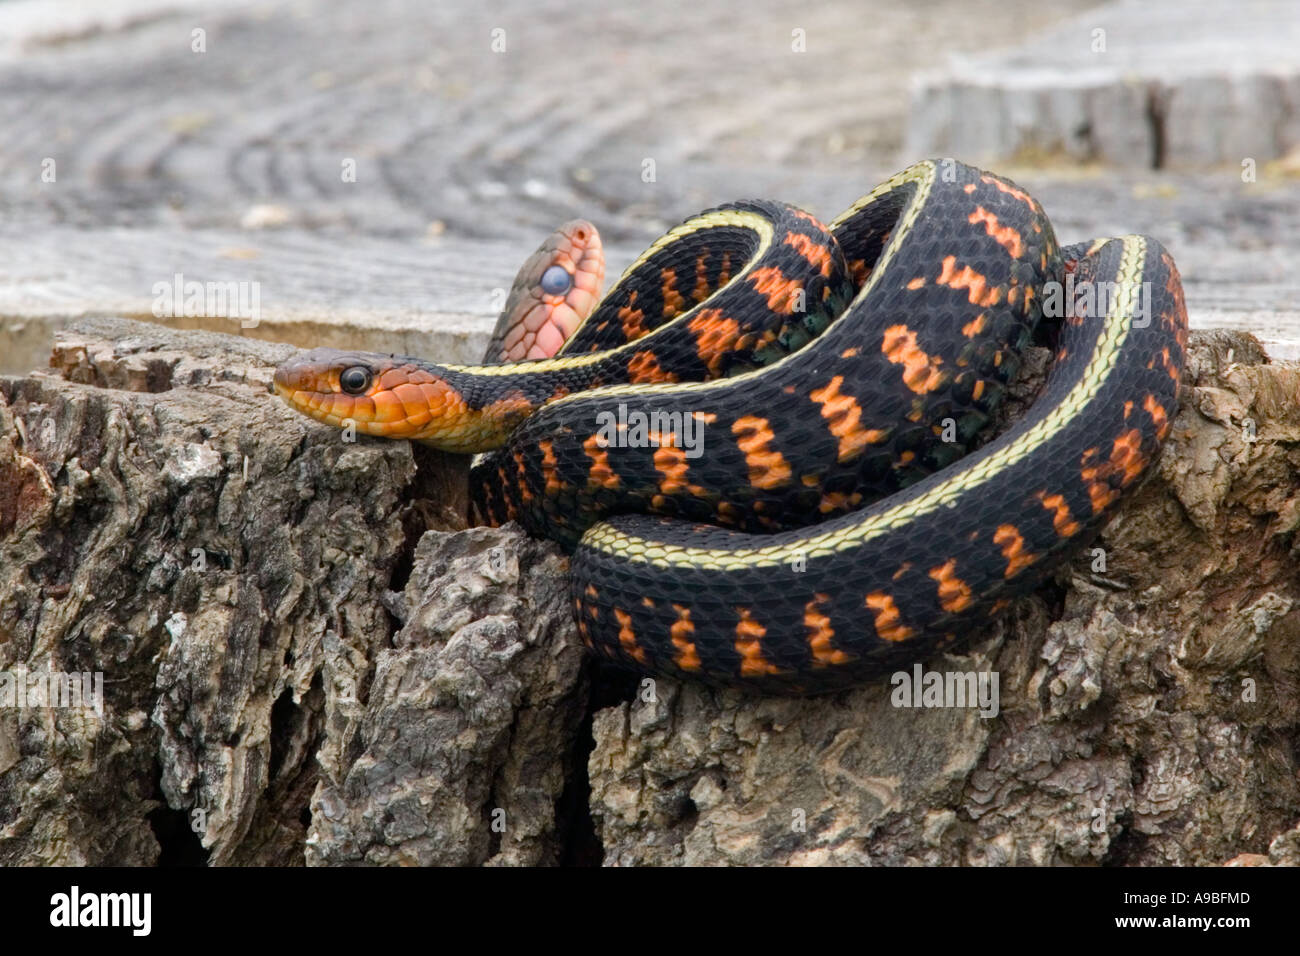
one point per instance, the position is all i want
(556, 280)
(355, 380)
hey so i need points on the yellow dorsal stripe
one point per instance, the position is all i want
(753, 221)
(922, 174)
(1110, 341)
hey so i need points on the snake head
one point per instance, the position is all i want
(552, 295)
(391, 396)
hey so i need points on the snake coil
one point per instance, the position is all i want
(761, 444)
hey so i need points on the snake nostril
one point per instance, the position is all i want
(355, 380)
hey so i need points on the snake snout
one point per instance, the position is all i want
(296, 378)
(286, 379)
(315, 371)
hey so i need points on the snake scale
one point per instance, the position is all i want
(762, 446)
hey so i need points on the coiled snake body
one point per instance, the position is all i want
(759, 442)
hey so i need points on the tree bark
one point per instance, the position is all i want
(296, 671)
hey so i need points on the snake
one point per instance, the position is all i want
(767, 448)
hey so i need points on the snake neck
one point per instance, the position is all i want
(485, 404)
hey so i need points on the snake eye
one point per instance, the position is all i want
(355, 380)
(556, 280)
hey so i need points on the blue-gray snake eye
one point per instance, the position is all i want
(355, 380)
(556, 280)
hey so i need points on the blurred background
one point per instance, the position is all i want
(379, 171)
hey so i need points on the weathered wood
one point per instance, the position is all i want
(468, 735)
(159, 525)
(1163, 83)
(434, 298)
(554, 121)
(230, 164)
(323, 677)
(237, 576)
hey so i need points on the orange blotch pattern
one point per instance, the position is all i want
(844, 415)
(783, 294)
(670, 462)
(1159, 417)
(889, 622)
(702, 289)
(1007, 188)
(673, 301)
(835, 502)
(680, 633)
(1005, 236)
(1062, 520)
(1012, 543)
(859, 271)
(632, 318)
(820, 634)
(724, 273)
(549, 472)
(979, 292)
(600, 473)
(954, 593)
(817, 254)
(921, 373)
(767, 466)
(627, 637)
(1126, 461)
(522, 470)
(1174, 286)
(643, 368)
(716, 336)
(749, 645)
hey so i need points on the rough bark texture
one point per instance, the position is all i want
(461, 753)
(223, 562)
(327, 691)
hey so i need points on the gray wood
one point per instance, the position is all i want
(442, 128)
(227, 165)
(1157, 83)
